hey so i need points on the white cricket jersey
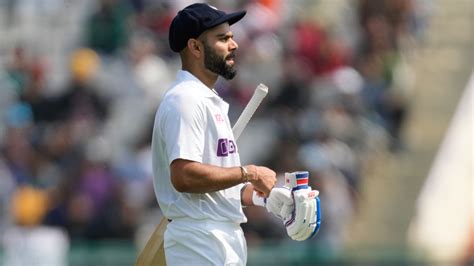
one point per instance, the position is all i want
(192, 123)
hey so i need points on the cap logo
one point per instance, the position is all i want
(213, 7)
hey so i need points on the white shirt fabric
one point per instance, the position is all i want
(192, 123)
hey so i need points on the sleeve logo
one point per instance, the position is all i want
(219, 118)
(225, 147)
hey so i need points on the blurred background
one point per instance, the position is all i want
(373, 97)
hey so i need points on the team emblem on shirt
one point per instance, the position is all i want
(225, 147)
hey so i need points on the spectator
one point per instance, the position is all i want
(107, 27)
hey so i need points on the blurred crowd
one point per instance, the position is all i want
(80, 82)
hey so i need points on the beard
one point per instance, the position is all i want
(217, 64)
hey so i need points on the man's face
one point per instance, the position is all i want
(219, 51)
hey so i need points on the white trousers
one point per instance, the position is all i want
(193, 242)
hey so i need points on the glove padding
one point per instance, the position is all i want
(280, 202)
(296, 204)
(305, 220)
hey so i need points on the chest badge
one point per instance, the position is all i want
(225, 147)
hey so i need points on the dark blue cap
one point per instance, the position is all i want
(194, 20)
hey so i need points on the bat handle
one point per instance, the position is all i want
(257, 97)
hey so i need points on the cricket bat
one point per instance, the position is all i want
(153, 253)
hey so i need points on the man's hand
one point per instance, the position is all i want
(262, 178)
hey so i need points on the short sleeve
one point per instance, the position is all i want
(183, 128)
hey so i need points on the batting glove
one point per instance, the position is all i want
(280, 202)
(305, 220)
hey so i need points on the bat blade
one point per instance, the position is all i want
(153, 253)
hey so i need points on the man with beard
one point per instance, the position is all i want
(198, 178)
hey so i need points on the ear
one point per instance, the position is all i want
(195, 47)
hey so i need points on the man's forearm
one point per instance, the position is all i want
(194, 177)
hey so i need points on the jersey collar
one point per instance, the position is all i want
(184, 75)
